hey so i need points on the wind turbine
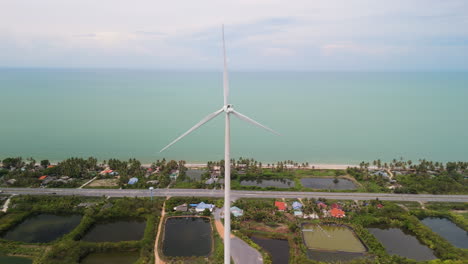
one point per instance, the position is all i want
(228, 110)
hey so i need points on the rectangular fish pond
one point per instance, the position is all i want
(14, 260)
(328, 184)
(111, 257)
(187, 236)
(448, 230)
(278, 183)
(277, 248)
(123, 230)
(332, 243)
(42, 228)
(396, 242)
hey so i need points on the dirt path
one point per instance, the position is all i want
(157, 259)
(88, 182)
(6, 204)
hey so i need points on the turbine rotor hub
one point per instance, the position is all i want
(228, 108)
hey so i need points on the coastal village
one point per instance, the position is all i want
(155, 229)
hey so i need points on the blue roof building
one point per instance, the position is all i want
(133, 181)
(236, 211)
(296, 205)
(202, 206)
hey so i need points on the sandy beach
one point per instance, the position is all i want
(315, 166)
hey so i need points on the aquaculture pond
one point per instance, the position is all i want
(14, 260)
(448, 230)
(124, 230)
(277, 248)
(187, 236)
(327, 183)
(278, 183)
(111, 257)
(332, 242)
(43, 228)
(396, 242)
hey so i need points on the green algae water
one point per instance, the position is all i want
(334, 118)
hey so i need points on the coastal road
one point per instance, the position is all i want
(235, 194)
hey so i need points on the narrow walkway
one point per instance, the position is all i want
(6, 204)
(241, 252)
(422, 205)
(157, 259)
(88, 182)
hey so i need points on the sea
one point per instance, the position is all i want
(323, 117)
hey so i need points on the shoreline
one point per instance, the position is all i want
(315, 166)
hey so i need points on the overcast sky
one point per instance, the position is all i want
(407, 35)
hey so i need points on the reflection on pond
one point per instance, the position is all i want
(277, 248)
(187, 236)
(43, 228)
(332, 242)
(111, 258)
(327, 183)
(398, 243)
(14, 260)
(279, 183)
(448, 230)
(116, 231)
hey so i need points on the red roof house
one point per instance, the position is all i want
(337, 213)
(280, 205)
(322, 205)
(379, 206)
(335, 205)
(42, 177)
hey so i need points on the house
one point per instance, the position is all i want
(311, 216)
(181, 208)
(296, 205)
(132, 181)
(381, 174)
(202, 206)
(337, 213)
(280, 205)
(335, 205)
(11, 181)
(380, 206)
(298, 213)
(321, 205)
(236, 211)
(106, 171)
(174, 174)
(152, 182)
(42, 177)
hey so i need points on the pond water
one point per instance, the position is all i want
(43, 228)
(14, 260)
(116, 231)
(187, 236)
(279, 183)
(327, 183)
(111, 258)
(396, 242)
(277, 248)
(448, 230)
(332, 242)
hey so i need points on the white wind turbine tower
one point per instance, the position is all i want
(228, 110)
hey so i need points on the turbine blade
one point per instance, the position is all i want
(250, 120)
(225, 74)
(199, 124)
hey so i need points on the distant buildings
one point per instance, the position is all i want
(281, 206)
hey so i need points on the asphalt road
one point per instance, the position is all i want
(237, 194)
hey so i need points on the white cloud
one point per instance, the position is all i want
(165, 34)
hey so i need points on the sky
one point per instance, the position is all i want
(261, 35)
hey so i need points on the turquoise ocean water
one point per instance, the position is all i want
(333, 118)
